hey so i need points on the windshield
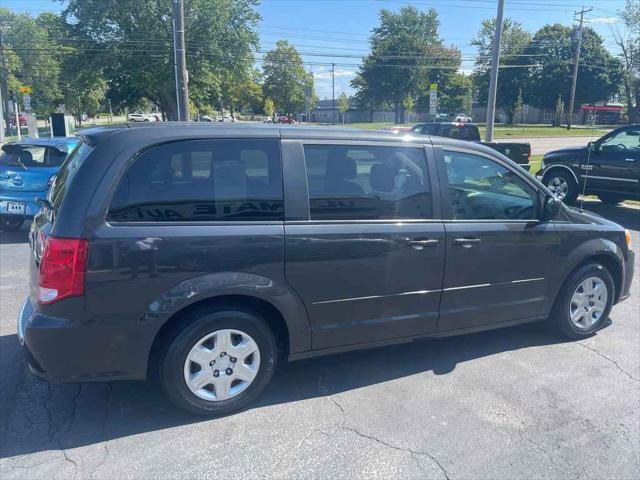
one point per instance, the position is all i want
(31, 156)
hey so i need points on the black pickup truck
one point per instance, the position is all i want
(518, 152)
(608, 168)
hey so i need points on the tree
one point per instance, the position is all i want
(343, 105)
(519, 107)
(629, 43)
(512, 75)
(406, 55)
(31, 59)
(269, 108)
(135, 38)
(456, 95)
(552, 51)
(285, 78)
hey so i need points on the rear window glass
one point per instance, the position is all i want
(31, 156)
(466, 132)
(68, 170)
(202, 180)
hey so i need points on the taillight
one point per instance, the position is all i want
(62, 268)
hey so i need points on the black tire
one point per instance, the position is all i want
(198, 325)
(10, 223)
(572, 186)
(610, 198)
(560, 316)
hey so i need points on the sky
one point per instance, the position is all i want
(322, 29)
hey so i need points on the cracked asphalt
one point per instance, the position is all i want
(512, 403)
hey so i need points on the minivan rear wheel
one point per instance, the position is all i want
(220, 362)
(584, 303)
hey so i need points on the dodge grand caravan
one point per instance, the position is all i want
(203, 254)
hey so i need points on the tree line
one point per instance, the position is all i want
(95, 52)
(408, 54)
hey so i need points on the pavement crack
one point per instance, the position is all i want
(610, 360)
(105, 443)
(412, 452)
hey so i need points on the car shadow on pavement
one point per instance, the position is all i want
(20, 236)
(37, 416)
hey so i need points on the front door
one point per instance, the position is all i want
(499, 256)
(368, 259)
(614, 164)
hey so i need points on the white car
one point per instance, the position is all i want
(227, 119)
(137, 117)
(461, 117)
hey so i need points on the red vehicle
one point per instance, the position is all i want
(23, 119)
(286, 119)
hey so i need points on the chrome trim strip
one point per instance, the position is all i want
(467, 286)
(611, 178)
(422, 292)
(418, 292)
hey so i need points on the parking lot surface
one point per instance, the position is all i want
(512, 403)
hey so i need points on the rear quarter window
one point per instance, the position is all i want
(202, 180)
(67, 172)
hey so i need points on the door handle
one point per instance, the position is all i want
(465, 242)
(419, 244)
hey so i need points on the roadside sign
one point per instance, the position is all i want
(26, 101)
(433, 99)
(24, 89)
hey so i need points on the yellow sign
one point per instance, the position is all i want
(24, 89)
(433, 86)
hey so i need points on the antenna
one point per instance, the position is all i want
(584, 181)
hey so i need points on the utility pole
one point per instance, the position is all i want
(493, 83)
(16, 110)
(4, 90)
(110, 111)
(180, 57)
(2, 136)
(574, 81)
(333, 93)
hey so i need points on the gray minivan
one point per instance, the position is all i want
(203, 254)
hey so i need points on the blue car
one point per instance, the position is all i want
(27, 170)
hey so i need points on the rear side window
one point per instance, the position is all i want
(367, 182)
(31, 156)
(67, 172)
(462, 132)
(202, 180)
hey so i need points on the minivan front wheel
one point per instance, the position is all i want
(219, 363)
(585, 302)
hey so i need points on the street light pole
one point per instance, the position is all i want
(493, 83)
(180, 57)
(574, 80)
(333, 93)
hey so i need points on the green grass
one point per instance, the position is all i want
(535, 162)
(523, 131)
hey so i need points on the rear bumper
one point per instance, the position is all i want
(28, 198)
(61, 350)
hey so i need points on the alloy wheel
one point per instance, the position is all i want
(588, 303)
(222, 365)
(559, 187)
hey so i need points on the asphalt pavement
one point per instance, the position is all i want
(512, 403)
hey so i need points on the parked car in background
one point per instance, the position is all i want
(608, 168)
(519, 152)
(227, 119)
(287, 119)
(464, 118)
(267, 120)
(204, 255)
(23, 119)
(27, 170)
(155, 117)
(138, 117)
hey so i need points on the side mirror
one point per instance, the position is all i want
(550, 208)
(593, 146)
